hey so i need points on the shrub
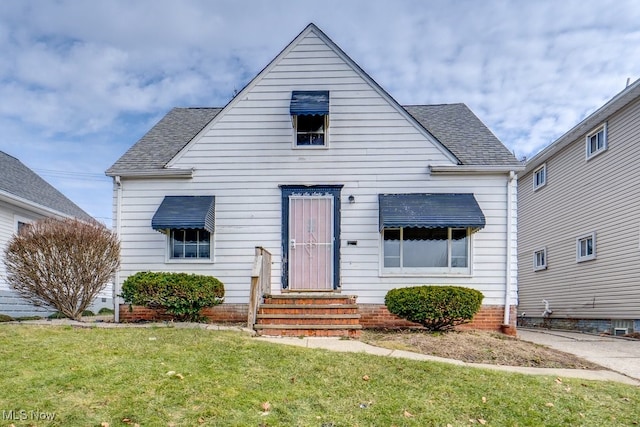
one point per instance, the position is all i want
(62, 264)
(105, 311)
(181, 295)
(437, 308)
(5, 318)
(56, 315)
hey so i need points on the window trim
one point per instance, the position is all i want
(17, 219)
(581, 238)
(294, 122)
(429, 271)
(170, 260)
(605, 143)
(543, 266)
(543, 169)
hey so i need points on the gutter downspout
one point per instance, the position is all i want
(507, 292)
(116, 291)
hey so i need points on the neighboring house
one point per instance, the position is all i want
(351, 193)
(578, 224)
(24, 198)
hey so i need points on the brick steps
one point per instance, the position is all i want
(309, 315)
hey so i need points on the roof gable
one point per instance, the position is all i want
(18, 181)
(312, 29)
(453, 129)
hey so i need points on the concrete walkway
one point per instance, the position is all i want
(620, 357)
(618, 354)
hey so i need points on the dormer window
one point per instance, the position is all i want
(310, 118)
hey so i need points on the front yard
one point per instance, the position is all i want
(191, 377)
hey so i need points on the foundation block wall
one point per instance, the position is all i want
(224, 313)
(489, 318)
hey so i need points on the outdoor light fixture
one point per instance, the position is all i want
(352, 199)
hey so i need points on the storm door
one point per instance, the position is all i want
(311, 242)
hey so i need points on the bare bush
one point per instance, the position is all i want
(62, 264)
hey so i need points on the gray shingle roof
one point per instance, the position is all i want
(454, 125)
(18, 180)
(158, 146)
(462, 132)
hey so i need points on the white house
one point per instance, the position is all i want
(351, 193)
(26, 197)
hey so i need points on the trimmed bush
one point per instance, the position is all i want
(437, 308)
(5, 318)
(182, 295)
(105, 311)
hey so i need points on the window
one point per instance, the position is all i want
(21, 226)
(586, 247)
(540, 177)
(310, 130)
(436, 250)
(540, 259)
(597, 141)
(190, 244)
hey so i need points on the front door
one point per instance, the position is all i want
(311, 242)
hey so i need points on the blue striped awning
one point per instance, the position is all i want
(430, 211)
(185, 212)
(309, 102)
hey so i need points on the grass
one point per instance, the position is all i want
(192, 377)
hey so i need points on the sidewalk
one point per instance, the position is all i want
(611, 353)
(618, 354)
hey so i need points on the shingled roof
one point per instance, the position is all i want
(462, 132)
(454, 125)
(158, 146)
(18, 180)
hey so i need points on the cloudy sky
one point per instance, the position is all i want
(81, 81)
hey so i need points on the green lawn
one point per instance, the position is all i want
(191, 377)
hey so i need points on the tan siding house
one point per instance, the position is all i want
(296, 163)
(579, 224)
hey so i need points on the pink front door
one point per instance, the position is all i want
(311, 243)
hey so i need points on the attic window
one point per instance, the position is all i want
(310, 117)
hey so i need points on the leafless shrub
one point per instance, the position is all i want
(62, 264)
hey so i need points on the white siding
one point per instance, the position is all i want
(600, 195)
(10, 303)
(246, 153)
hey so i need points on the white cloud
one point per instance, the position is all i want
(86, 79)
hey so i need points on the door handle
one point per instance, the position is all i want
(293, 243)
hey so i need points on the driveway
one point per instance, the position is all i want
(618, 354)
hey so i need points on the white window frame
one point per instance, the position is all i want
(168, 253)
(294, 121)
(17, 220)
(429, 271)
(591, 154)
(583, 238)
(540, 266)
(542, 170)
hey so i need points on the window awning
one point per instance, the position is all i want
(309, 102)
(430, 211)
(185, 212)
